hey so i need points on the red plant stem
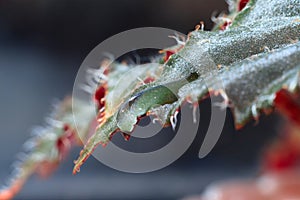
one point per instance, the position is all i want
(288, 105)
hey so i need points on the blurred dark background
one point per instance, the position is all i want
(42, 44)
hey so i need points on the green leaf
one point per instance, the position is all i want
(258, 55)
